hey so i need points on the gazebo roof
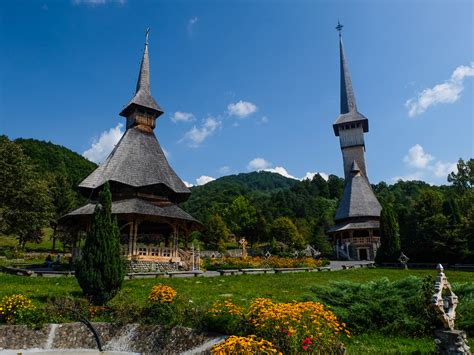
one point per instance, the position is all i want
(137, 206)
(354, 225)
(358, 199)
(137, 161)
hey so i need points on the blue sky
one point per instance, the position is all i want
(246, 85)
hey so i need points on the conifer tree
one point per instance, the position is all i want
(100, 272)
(389, 236)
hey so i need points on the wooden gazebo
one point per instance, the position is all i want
(145, 189)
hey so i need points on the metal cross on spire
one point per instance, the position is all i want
(146, 35)
(339, 27)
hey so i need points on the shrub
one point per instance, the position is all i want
(297, 326)
(225, 317)
(100, 272)
(15, 307)
(260, 262)
(400, 307)
(163, 308)
(244, 345)
(291, 327)
(162, 294)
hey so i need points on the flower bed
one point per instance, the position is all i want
(292, 328)
(260, 262)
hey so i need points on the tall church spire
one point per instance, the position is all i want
(348, 102)
(142, 101)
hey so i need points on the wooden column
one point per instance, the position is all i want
(130, 237)
(135, 235)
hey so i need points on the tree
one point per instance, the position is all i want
(100, 272)
(285, 231)
(463, 180)
(64, 201)
(25, 205)
(241, 217)
(217, 233)
(389, 249)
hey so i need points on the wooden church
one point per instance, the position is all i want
(356, 234)
(145, 189)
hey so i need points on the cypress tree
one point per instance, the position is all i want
(100, 272)
(389, 236)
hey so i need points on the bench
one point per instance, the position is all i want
(196, 273)
(324, 268)
(228, 272)
(251, 271)
(16, 271)
(53, 273)
(292, 269)
(155, 274)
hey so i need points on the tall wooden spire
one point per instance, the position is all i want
(348, 102)
(142, 102)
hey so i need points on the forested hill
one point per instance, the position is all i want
(264, 181)
(53, 158)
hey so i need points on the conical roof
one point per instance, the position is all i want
(142, 95)
(138, 161)
(358, 199)
(349, 113)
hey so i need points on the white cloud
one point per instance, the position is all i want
(97, 2)
(195, 136)
(280, 170)
(241, 109)
(224, 169)
(427, 165)
(187, 184)
(258, 164)
(182, 117)
(417, 158)
(102, 147)
(264, 120)
(447, 92)
(310, 176)
(442, 169)
(204, 180)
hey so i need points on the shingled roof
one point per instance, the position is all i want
(349, 113)
(142, 95)
(358, 199)
(137, 161)
(139, 207)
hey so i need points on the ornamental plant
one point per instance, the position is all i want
(162, 294)
(15, 307)
(226, 317)
(244, 345)
(297, 326)
(100, 272)
(260, 262)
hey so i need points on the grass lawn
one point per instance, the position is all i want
(280, 287)
(203, 290)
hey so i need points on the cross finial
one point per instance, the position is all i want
(339, 27)
(146, 35)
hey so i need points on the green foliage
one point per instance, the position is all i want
(52, 158)
(463, 180)
(241, 217)
(217, 233)
(401, 307)
(100, 272)
(389, 249)
(285, 231)
(25, 206)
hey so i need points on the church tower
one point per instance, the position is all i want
(356, 234)
(351, 125)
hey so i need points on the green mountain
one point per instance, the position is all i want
(53, 158)
(218, 194)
